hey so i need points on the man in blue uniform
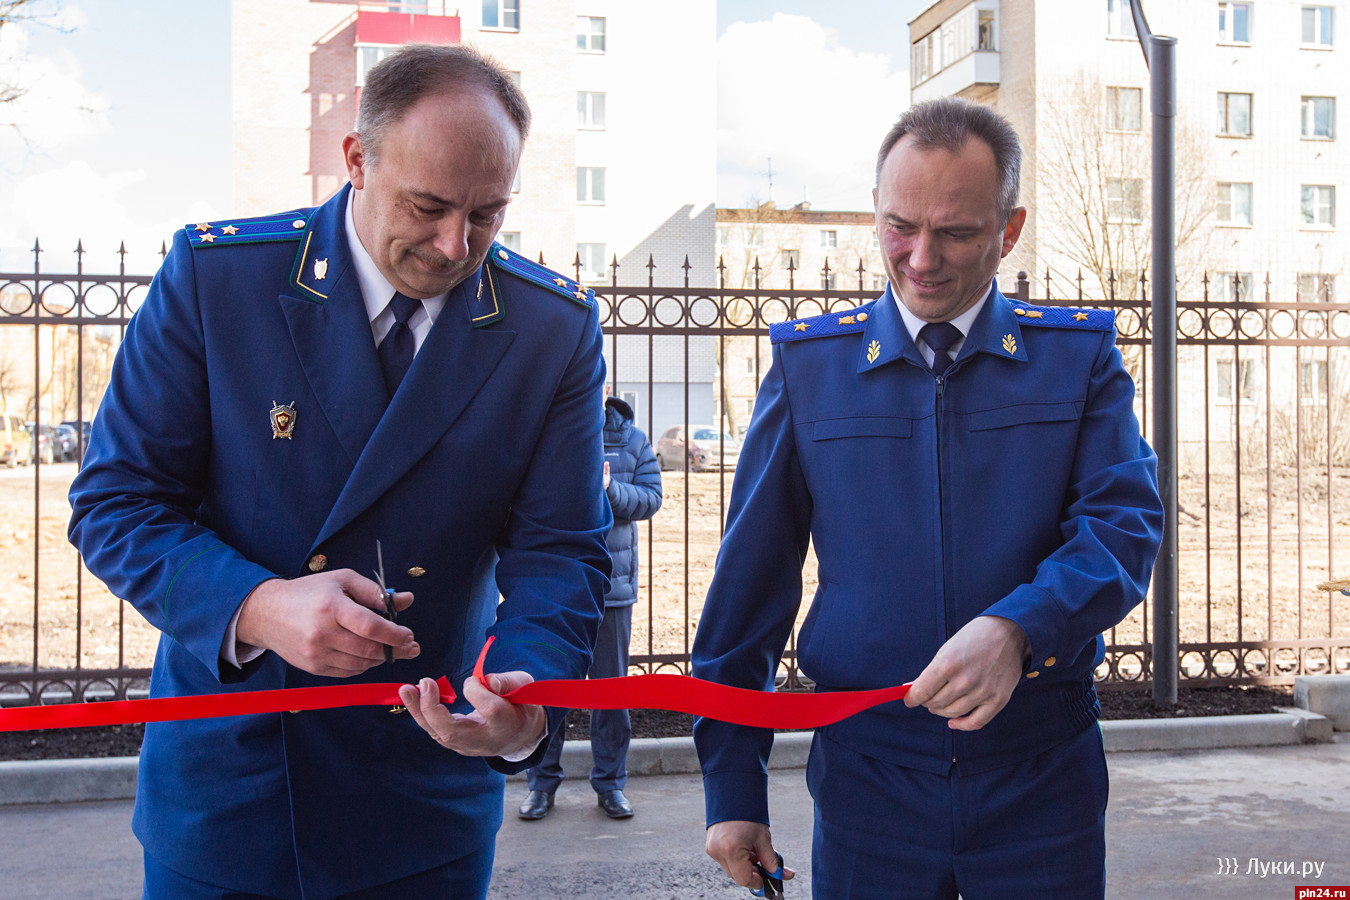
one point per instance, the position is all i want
(971, 475)
(295, 389)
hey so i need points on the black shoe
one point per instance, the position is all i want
(615, 804)
(536, 805)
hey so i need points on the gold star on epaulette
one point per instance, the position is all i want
(580, 295)
(1080, 316)
(560, 282)
(229, 229)
(801, 326)
(203, 226)
(208, 238)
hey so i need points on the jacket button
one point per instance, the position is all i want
(1032, 674)
(417, 571)
(318, 562)
(1049, 662)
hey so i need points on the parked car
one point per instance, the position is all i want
(82, 444)
(44, 442)
(706, 447)
(67, 441)
(16, 442)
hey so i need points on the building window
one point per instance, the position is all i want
(1123, 105)
(503, 14)
(1235, 203)
(1318, 204)
(986, 35)
(754, 236)
(723, 235)
(591, 110)
(1316, 287)
(591, 34)
(829, 282)
(747, 409)
(1124, 199)
(367, 55)
(877, 282)
(1234, 381)
(590, 184)
(1319, 117)
(593, 264)
(829, 237)
(509, 239)
(792, 259)
(1235, 114)
(1236, 287)
(1312, 381)
(1317, 26)
(1119, 22)
(1235, 23)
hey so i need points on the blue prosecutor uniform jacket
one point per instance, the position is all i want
(195, 490)
(1016, 485)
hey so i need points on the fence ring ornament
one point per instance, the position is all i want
(1251, 319)
(10, 304)
(1284, 324)
(1312, 323)
(1191, 323)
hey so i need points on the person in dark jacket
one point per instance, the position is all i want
(632, 480)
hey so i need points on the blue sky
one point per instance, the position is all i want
(127, 125)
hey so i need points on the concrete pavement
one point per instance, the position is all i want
(1177, 819)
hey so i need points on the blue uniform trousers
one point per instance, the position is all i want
(611, 729)
(465, 878)
(1034, 828)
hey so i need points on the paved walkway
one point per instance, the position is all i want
(1174, 816)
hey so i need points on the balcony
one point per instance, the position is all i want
(401, 23)
(974, 75)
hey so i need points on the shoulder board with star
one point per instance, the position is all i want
(515, 264)
(289, 226)
(828, 325)
(1064, 317)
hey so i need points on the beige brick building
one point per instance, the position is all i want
(620, 163)
(1261, 166)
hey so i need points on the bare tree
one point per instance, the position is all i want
(1095, 211)
(12, 11)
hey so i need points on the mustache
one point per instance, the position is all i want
(437, 261)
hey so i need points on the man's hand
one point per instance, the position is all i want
(973, 674)
(606, 474)
(326, 624)
(496, 727)
(736, 846)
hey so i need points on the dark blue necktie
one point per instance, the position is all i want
(940, 337)
(396, 350)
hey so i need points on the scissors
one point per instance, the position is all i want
(389, 612)
(773, 881)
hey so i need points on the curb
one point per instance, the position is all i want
(78, 780)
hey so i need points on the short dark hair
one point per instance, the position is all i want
(948, 123)
(395, 84)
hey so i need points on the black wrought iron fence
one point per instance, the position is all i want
(1264, 470)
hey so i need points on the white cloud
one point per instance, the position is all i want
(788, 90)
(76, 203)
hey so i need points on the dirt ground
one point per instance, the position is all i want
(1254, 553)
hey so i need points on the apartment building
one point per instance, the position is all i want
(1261, 163)
(620, 164)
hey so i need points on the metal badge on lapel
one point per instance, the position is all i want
(320, 269)
(283, 420)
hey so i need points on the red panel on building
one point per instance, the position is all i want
(401, 28)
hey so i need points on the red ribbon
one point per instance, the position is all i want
(678, 693)
(682, 693)
(206, 706)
